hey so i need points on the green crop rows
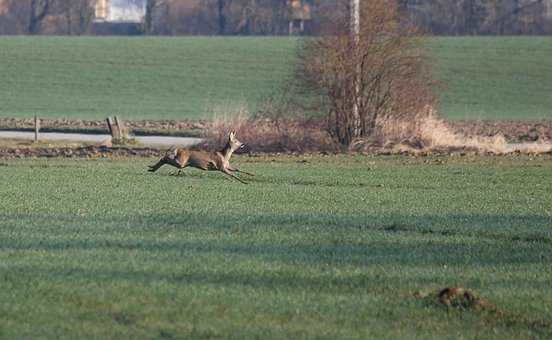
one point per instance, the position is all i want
(198, 77)
(314, 247)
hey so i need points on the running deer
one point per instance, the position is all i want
(204, 160)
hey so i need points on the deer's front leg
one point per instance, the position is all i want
(226, 171)
(238, 170)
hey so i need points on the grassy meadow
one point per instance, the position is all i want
(495, 77)
(192, 77)
(314, 247)
(140, 78)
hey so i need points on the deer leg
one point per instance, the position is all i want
(176, 173)
(238, 170)
(179, 166)
(245, 172)
(166, 160)
(233, 176)
(156, 166)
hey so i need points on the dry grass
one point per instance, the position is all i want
(428, 132)
(433, 132)
(276, 132)
(271, 134)
(436, 133)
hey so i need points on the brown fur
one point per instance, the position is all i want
(204, 160)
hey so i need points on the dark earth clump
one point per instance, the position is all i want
(80, 152)
(463, 298)
(458, 298)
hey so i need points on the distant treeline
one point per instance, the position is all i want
(488, 17)
(271, 17)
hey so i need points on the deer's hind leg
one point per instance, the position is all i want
(156, 166)
(180, 171)
(180, 165)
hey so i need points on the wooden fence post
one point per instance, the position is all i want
(113, 129)
(120, 128)
(117, 129)
(37, 128)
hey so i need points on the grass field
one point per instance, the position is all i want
(177, 78)
(495, 77)
(139, 78)
(325, 247)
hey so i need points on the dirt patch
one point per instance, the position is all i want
(79, 152)
(463, 300)
(459, 298)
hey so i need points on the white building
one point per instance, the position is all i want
(124, 11)
(548, 8)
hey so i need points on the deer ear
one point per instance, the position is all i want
(232, 134)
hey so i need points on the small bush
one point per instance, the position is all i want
(271, 134)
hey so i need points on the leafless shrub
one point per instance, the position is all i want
(382, 72)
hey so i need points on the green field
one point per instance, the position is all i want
(140, 78)
(323, 247)
(495, 77)
(192, 77)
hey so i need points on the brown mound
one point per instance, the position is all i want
(458, 297)
(463, 298)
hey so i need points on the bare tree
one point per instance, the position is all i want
(221, 7)
(13, 17)
(38, 10)
(151, 7)
(78, 15)
(382, 71)
(258, 17)
(463, 17)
